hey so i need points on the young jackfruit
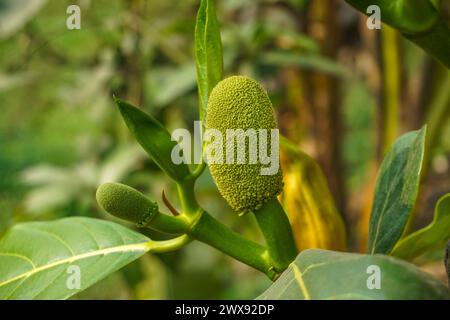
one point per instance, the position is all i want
(239, 102)
(126, 203)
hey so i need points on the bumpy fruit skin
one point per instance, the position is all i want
(239, 102)
(126, 203)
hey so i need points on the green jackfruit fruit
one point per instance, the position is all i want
(126, 203)
(239, 102)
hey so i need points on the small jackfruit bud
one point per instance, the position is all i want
(126, 203)
(239, 102)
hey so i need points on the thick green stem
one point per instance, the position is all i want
(277, 231)
(201, 166)
(210, 231)
(187, 197)
(203, 227)
(168, 245)
(168, 224)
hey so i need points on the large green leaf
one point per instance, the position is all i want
(396, 191)
(434, 235)
(208, 52)
(154, 138)
(35, 257)
(322, 274)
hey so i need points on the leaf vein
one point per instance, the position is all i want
(299, 278)
(144, 246)
(20, 256)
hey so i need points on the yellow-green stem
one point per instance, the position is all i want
(277, 231)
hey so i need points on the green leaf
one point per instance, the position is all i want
(208, 53)
(322, 274)
(154, 138)
(396, 191)
(35, 257)
(433, 236)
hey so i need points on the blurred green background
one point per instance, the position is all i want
(342, 92)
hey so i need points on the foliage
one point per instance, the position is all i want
(433, 235)
(396, 191)
(321, 274)
(70, 140)
(96, 247)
